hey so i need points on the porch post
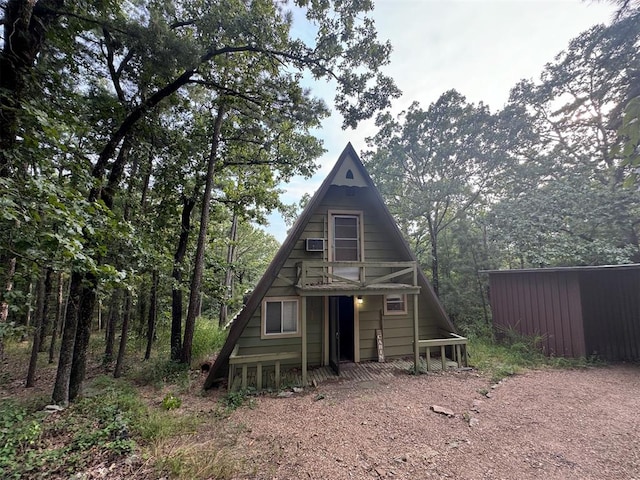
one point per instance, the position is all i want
(416, 335)
(303, 332)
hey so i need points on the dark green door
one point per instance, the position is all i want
(334, 334)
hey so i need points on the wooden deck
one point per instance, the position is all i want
(349, 372)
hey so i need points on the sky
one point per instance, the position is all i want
(481, 48)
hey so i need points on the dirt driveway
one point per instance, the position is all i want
(550, 424)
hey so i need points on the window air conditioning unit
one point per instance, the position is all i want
(315, 245)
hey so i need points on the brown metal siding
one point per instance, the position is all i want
(545, 305)
(578, 311)
(611, 305)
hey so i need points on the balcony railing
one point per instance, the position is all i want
(357, 275)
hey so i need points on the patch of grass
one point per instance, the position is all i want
(513, 354)
(161, 371)
(500, 360)
(159, 426)
(200, 461)
(208, 337)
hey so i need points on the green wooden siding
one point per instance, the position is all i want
(251, 342)
(397, 329)
(379, 245)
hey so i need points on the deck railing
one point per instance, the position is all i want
(310, 273)
(257, 360)
(458, 346)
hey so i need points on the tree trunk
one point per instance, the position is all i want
(86, 283)
(112, 321)
(40, 302)
(61, 387)
(176, 293)
(58, 318)
(44, 323)
(25, 25)
(27, 320)
(146, 179)
(142, 309)
(196, 279)
(83, 333)
(481, 290)
(117, 372)
(151, 323)
(228, 274)
(435, 274)
(4, 307)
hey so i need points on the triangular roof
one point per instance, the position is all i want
(348, 160)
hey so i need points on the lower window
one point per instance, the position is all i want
(395, 304)
(280, 317)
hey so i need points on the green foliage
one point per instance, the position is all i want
(630, 133)
(568, 222)
(160, 426)
(160, 371)
(113, 126)
(235, 399)
(539, 183)
(208, 338)
(105, 423)
(433, 166)
(20, 431)
(11, 331)
(171, 402)
(513, 354)
(201, 462)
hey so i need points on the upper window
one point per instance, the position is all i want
(280, 317)
(346, 238)
(395, 304)
(346, 243)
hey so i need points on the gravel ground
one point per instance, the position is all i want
(551, 424)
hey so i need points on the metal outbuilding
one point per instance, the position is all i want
(578, 311)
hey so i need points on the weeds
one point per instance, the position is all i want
(161, 371)
(515, 353)
(200, 461)
(103, 424)
(234, 399)
(171, 402)
(207, 338)
(158, 426)
(20, 431)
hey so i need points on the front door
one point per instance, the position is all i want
(341, 331)
(334, 334)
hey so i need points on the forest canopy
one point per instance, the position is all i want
(142, 142)
(548, 180)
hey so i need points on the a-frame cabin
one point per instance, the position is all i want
(344, 286)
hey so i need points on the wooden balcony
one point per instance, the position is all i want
(319, 278)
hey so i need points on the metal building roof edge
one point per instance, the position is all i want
(579, 268)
